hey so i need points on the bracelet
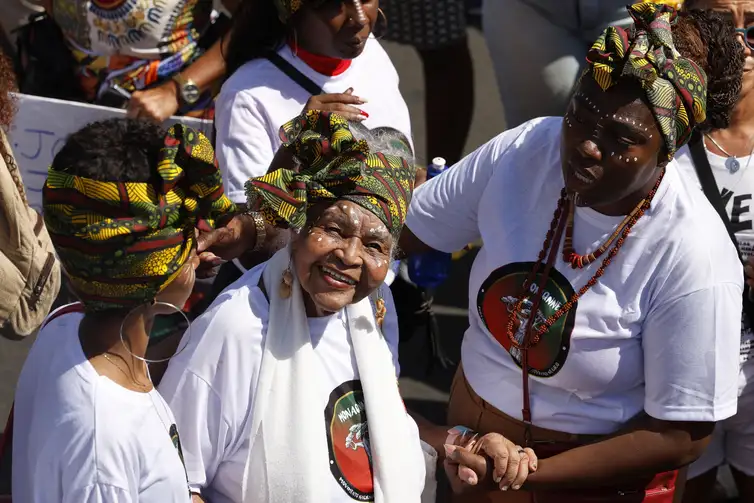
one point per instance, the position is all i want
(261, 230)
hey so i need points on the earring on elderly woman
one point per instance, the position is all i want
(286, 283)
(380, 308)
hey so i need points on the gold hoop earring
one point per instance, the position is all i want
(383, 30)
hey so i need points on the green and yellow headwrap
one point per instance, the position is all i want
(121, 243)
(334, 166)
(676, 87)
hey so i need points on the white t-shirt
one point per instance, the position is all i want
(210, 388)
(80, 438)
(659, 331)
(736, 190)
(258, 98)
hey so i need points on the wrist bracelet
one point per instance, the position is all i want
(261, 230)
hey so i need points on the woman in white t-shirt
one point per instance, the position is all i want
(729, 150)
(326, 47)
(288, 391)
(121, 204)
(626, 320)
(631, 350)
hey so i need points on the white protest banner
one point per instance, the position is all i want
(41, 127)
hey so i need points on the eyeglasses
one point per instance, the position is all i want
(748, 35)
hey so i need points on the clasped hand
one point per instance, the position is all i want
(490, 461)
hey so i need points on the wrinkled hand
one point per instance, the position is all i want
(469, 468)
(341, 104)
(157, 104)
(228, 242)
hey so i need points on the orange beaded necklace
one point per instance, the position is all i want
(563, 219)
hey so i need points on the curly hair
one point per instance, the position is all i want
(706, 37)
(123, 150)
(7, 86)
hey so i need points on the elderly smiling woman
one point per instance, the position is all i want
(282, 372)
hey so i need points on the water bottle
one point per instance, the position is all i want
(429, 270)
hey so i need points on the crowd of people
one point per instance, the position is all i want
(609, 355)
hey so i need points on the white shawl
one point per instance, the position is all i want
(288, 455)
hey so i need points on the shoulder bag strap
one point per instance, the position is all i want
(295, 75)
(292, 72)
(712, 191)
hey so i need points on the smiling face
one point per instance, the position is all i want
(336, 28)
(610, 146)
(342, 258)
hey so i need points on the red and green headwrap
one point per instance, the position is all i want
(334, 166)
(676, 87)
(121, 243)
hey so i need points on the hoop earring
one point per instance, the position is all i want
(295, 42)
(146, 360)
(383, 30)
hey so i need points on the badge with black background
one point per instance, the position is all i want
(348, 441)
(496, 303)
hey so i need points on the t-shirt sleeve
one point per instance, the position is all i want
(443, 210)
(204, 433)
(100, 493)
(691, 345)
(244, 146)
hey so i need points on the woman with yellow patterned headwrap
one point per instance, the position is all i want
(604, 323)
(122, 203)
(291, 382)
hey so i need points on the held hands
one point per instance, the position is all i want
(157, 104)
(341, 104)
(468, 468)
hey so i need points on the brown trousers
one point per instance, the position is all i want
(469, 409)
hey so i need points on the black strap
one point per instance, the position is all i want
(291, 71)
(712, 191)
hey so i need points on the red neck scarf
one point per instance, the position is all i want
(321, 64)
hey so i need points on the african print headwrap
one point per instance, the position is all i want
(676, 87)
(121, 243)
(334, 166)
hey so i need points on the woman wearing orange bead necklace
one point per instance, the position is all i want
(606, 300)
(612, 346)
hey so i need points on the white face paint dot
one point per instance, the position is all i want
(319, 239)
(612, 154)
(651, 136)
(344, 207)
(626, 159)
(636, 159)
(620, 157)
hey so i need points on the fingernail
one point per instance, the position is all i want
(504, 488)
(449, 449)
(363, 100)
(516, 487)
(497, 478)
(349, 90)
(472, 479)
(534, 466)
(362, 112)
